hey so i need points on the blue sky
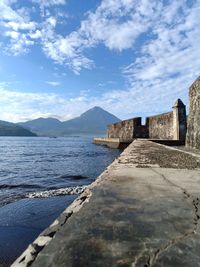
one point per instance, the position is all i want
(59, 58)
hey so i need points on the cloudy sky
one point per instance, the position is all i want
(61, 57)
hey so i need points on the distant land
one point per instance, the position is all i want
(93, 121)
(12, 129)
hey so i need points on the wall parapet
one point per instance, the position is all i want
(169, 126)
(127, 130)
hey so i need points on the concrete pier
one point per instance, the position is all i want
(144, 210)
(112, 142)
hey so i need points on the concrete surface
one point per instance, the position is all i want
(111, 142)
(142, 211)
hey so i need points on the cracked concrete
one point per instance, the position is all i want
(195, 202)
(141, 212)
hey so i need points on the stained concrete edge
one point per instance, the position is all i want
(31, 252)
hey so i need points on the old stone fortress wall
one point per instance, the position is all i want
(172, 125)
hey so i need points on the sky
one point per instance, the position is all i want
(58, 58)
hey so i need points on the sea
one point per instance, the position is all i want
(39, 178)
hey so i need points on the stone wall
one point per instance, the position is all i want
(161, 126)
(171, 125)
(193, 131)
(127, 130)
(168, 126)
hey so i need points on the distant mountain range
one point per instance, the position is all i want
(12, 129)
(93, 121)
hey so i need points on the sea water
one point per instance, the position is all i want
(39, 178)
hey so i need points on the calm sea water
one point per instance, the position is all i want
(39, 178)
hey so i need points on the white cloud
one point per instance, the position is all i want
(19, 44)
(165, 67)
(21, 25)
(45, 5)
(48, 3)
(167, 58)
(7, 13)
(53, 83)
(117, 25)
(12, 34)
(19, 106)
(17, 26)
(172, 47)
(168, 63)
(64, 50)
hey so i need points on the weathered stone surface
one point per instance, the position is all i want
(127, 130)
(179, 120)
(168, 126)
(193, 131)
(161, 126)
(146, 154)
(139, 212)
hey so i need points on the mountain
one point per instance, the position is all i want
(12, 129)
(43, 126)
(93, 121)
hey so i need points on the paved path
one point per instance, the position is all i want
(144, 210)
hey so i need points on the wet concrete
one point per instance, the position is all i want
(142, 211)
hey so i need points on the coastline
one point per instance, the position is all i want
(126, 207)
(28, 218)
(39, 177)
(31, 252)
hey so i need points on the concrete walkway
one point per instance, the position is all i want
(144, 210)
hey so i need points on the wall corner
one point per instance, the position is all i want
(179, 121)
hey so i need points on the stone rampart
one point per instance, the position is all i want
(127, 130)
(193, 132)
(169, 126)
(161, 126)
